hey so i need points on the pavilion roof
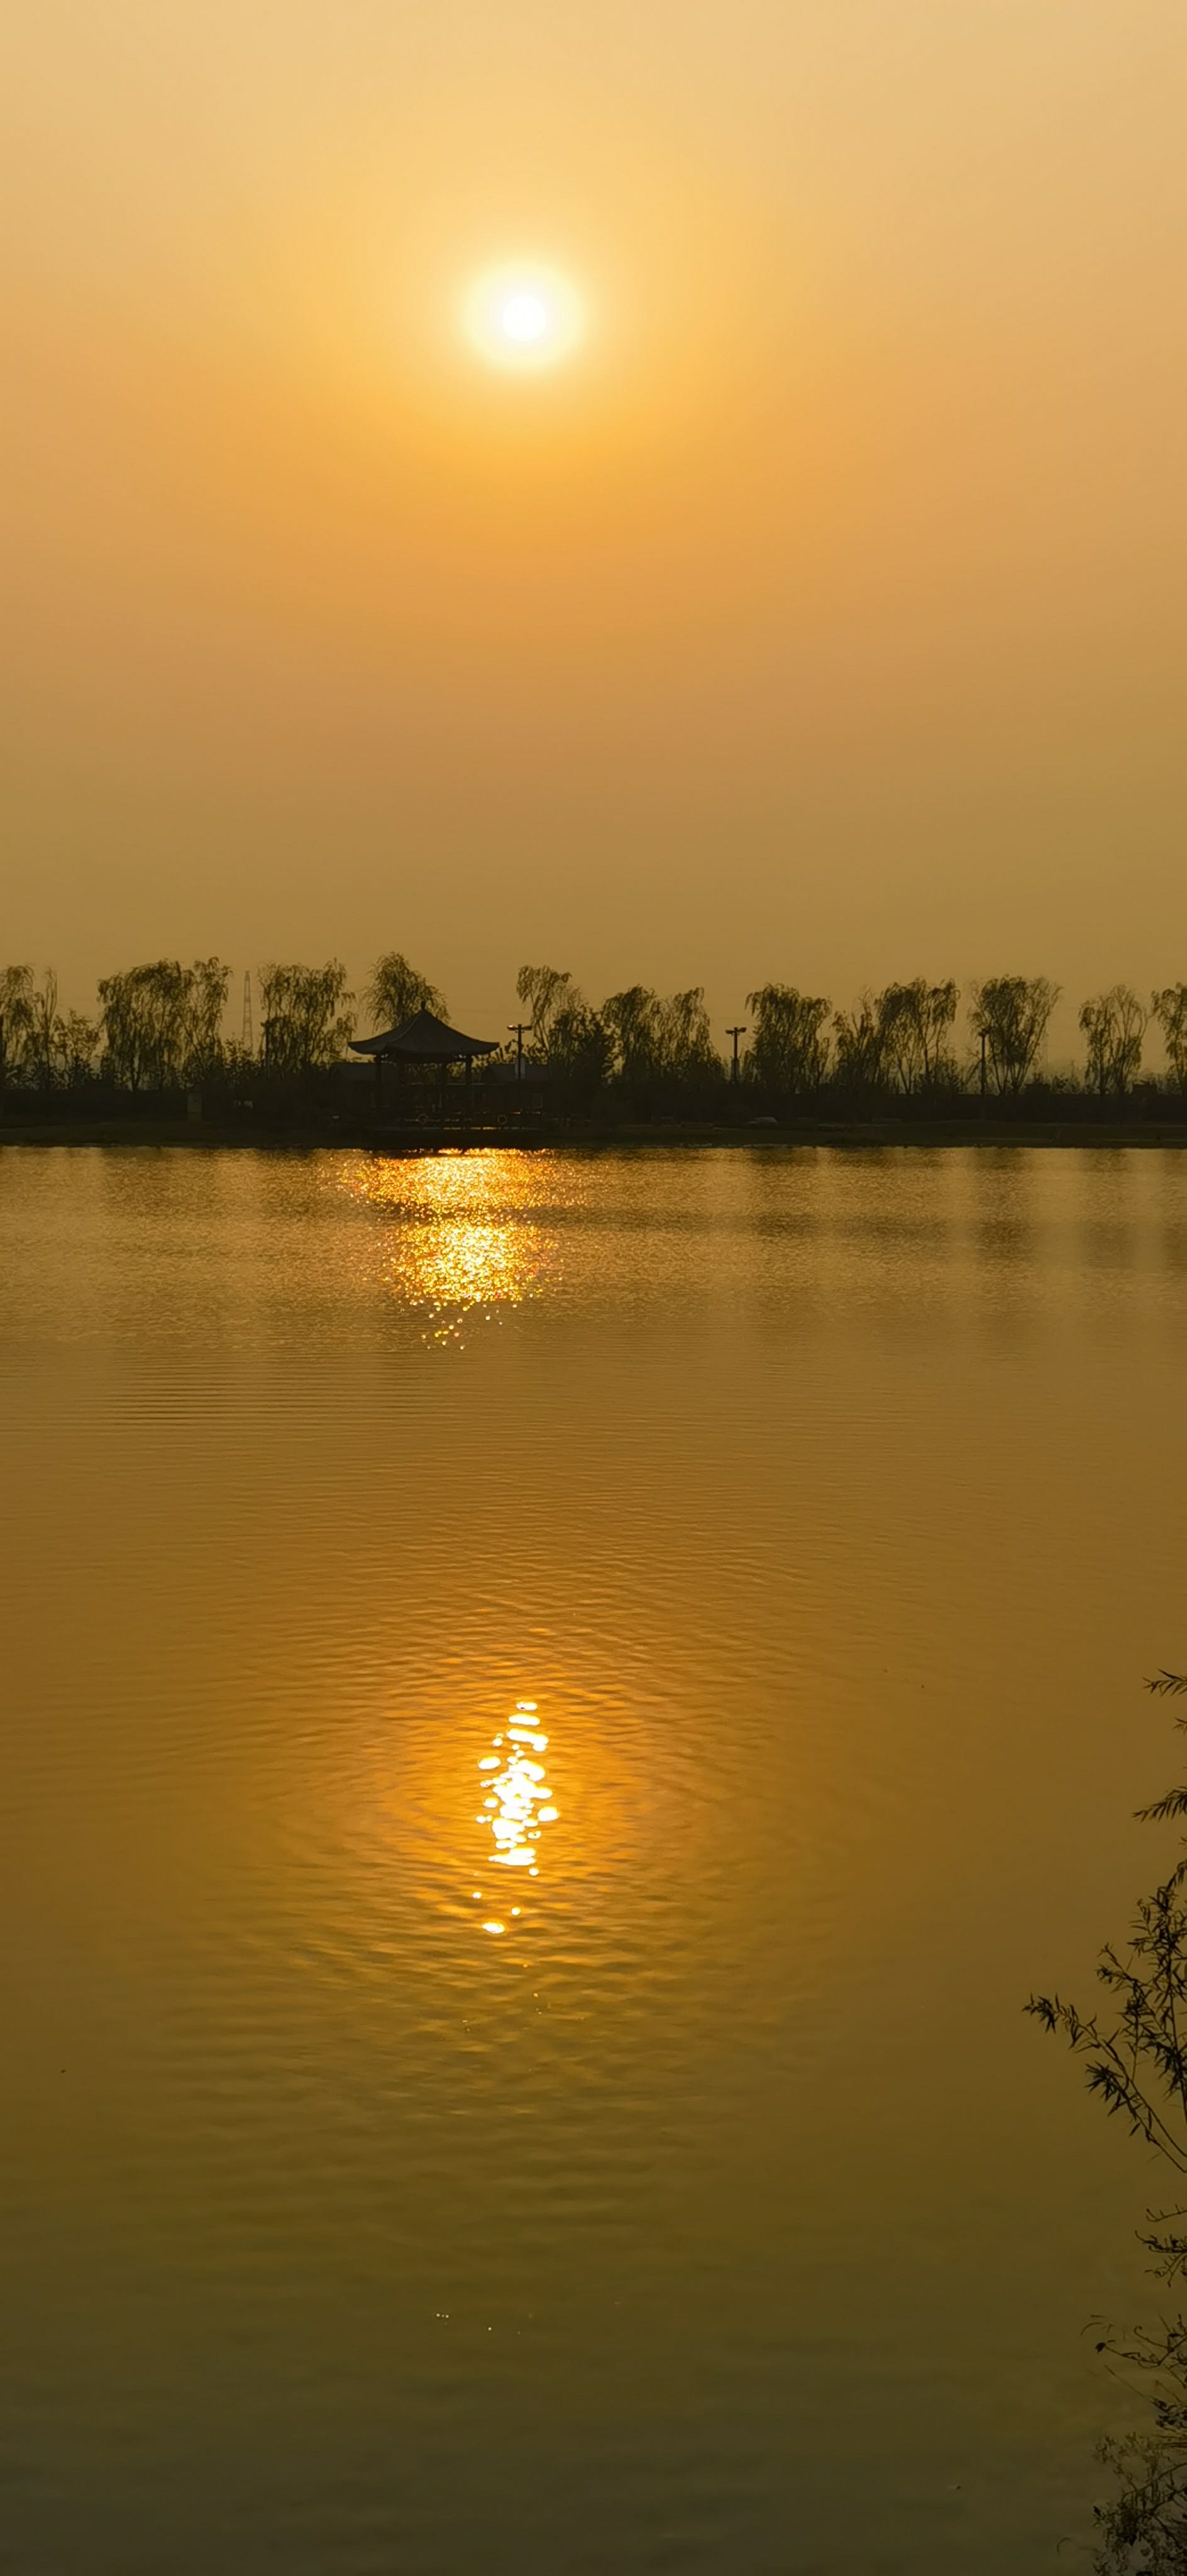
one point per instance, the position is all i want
(424, 1039)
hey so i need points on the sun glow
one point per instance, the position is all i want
(523, 317)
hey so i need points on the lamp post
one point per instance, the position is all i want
(735, 1034)
(516, 1029)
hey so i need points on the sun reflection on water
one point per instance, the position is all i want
(518, 1802)
(465, 1239)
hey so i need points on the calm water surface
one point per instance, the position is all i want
(555, 1707)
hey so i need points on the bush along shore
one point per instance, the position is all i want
(916, 1061)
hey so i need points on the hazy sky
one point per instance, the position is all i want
(821, 618)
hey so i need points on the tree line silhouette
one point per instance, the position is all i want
(160, 1029)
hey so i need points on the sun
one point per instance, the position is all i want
(523, 317)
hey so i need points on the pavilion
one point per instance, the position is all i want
(424, 1039)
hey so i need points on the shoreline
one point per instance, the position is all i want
(850, 1135)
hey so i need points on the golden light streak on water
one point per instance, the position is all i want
(465, 1240)
(518, 1802)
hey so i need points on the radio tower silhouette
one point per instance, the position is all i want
(249, 1037)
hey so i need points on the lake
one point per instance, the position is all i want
(557, 1705)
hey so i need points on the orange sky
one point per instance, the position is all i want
(821, 619)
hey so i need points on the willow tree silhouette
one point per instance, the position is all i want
(1135, 2062)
